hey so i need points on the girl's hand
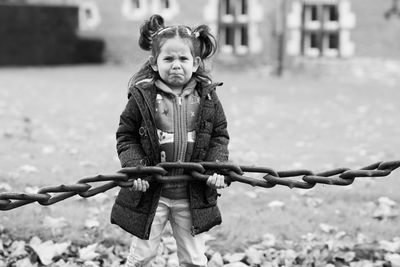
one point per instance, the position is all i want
(216, 181)
(140, 185)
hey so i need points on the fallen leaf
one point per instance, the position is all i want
(268, 240)
(5, 187)
(31, 189)
(1, 247)
(386, 201)
(25, 262)
(55, 223)
(394, 259)
(384, 212)
(253, 256)
(88, 253)
(48, 150)
(390, 246)
(314, 202)
(28, 169)
(276, 204)
(91, 264)
(235, 257)
(45, 251)
(92, 223)
(327, 228)
(18, 249)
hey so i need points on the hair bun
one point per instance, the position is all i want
(207, 42)
(147, 30)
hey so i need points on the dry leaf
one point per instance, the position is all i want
(28, 169)
(276, 204)
(92, 223)
(390, 246)
(46, 251)
(25, 262)
(394, 259)
(327, 228)
(18, 249)
(5, 187)
(88, 253)
(55, 223)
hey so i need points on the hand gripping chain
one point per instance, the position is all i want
(200, 171)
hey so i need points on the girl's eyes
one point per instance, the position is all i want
(169, 59)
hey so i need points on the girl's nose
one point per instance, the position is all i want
(176, 65)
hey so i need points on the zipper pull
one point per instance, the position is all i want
(179, 100)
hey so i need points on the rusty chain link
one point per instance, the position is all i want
(232, 172)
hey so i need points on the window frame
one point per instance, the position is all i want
(85, 22)
(131, 12)
(320, 28)
(231, 18)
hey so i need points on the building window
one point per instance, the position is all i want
(135, 4)
(166, 8)
(134, 9)
(320, 29)
(233, 26)
(89, 16)
(165, 4)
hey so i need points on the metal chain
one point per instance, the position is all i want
(200, 171)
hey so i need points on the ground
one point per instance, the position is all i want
(58, 125)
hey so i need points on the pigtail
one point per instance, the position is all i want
(207, 42)
(148, 29)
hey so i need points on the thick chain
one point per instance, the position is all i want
(200, 171)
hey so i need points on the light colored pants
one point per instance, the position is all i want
(191, 249)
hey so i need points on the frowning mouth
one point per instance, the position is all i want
(176, 74)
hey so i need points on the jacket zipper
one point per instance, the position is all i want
(180, 128)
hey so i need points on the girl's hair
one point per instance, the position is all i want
(153, 34)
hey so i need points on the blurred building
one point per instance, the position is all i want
(279, 33)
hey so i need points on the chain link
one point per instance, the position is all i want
(304, 179)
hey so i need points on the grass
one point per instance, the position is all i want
(62, 122)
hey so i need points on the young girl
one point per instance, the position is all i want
(173, 114)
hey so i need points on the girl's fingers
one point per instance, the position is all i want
(216, 181)
(140, 185)
(146, 185)
(211, 181)
(135, 185)
(221, 181)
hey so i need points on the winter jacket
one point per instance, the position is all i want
(137, 144)
(175, 119)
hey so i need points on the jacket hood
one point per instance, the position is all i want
(187, 90)
(207, 85)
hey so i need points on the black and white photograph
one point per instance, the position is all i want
(209, 133)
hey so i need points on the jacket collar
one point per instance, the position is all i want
(147, 84)
(187, 90)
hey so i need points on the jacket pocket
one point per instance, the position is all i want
(211, 195)
(137, 197)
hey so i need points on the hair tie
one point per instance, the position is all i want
(161, 31)
(196, 34)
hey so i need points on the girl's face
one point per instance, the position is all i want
(175, 63)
